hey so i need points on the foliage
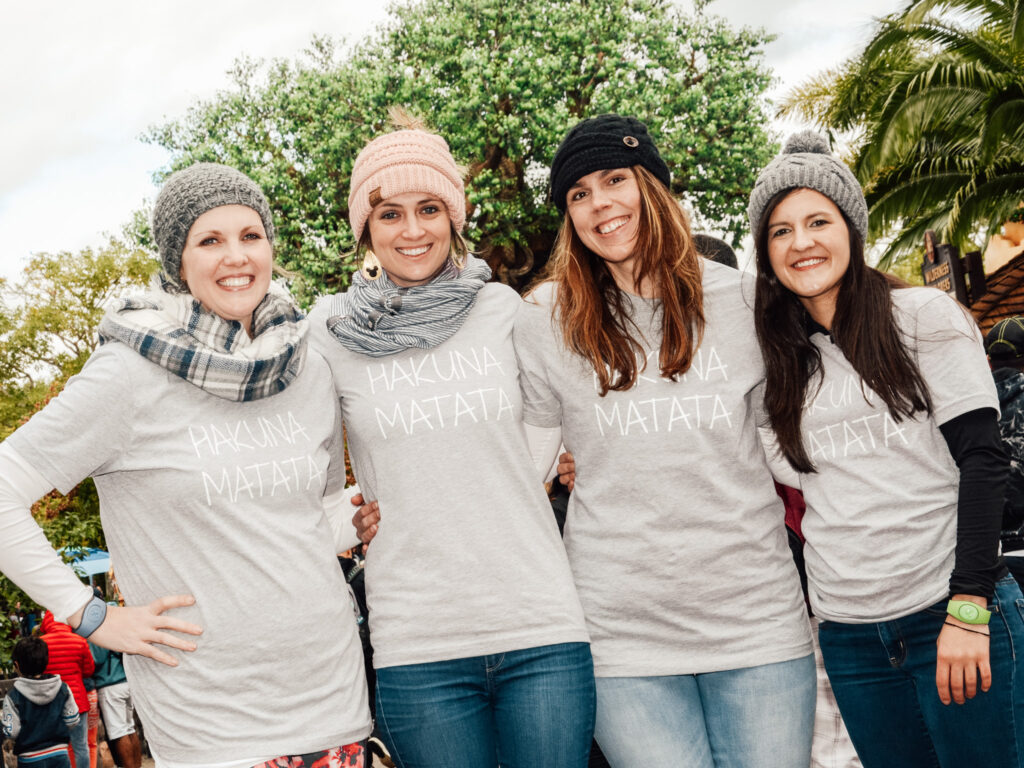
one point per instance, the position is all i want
(48, 319)
(935, 107)
(908, 270)
(502, 82)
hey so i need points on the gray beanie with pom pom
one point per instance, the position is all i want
(806, 161)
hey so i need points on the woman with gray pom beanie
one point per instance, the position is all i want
(211, 431)
(885, 416)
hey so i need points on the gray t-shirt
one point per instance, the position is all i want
(675, 533)
(881, 509)
(221, 500)
(467, 560)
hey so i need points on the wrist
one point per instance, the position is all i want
(76, 618)
(974, 629)
(978, 599)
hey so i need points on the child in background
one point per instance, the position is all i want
(39, 711)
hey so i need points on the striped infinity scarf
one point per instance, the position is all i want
(378, 318)
(217, 355)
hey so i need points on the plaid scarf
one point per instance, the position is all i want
(378, 318)
(217, 355)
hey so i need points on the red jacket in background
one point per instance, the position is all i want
(70, 658)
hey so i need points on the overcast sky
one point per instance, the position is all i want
(82, 81)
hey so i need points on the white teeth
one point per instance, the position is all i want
(413, 251)
(612, 225)
(234, 282)
(809, 262)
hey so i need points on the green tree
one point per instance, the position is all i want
(502, 82)
(935, 108)
(48, 319)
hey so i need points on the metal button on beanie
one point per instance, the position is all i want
(600, 143)
(187, 195)
(807, 162)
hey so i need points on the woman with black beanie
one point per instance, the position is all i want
(644, 354)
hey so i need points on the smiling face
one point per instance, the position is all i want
(605, 210)
(227, 262)
(411, 235)
(809, 250)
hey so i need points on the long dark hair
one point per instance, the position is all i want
(863, 327)
(591, 307)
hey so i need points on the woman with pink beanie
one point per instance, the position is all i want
(480, 646)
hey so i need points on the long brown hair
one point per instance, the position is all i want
(591, 307)
(863, 327)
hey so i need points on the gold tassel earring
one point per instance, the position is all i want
(371, 268)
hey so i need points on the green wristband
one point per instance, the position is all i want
(968, 612)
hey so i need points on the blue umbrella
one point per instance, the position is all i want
(88, 561)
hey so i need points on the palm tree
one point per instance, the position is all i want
(935, 109)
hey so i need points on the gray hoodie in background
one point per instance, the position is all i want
(40, 690)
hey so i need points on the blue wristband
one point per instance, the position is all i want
(93, 615)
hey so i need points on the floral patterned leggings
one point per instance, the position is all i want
(348, 756)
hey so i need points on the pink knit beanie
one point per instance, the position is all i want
(400, 162)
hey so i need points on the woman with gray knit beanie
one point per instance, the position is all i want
(644, 354)
(885, 416)
(211, 431)
(479, 642)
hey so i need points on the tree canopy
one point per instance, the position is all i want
(935, 106)
(48, 318)
(502, 82)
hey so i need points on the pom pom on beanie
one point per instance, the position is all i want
(807, 162)
(806, 141)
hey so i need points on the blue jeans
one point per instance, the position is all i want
(80, 740)
(757, 717)
(883, 676)
(529, 708)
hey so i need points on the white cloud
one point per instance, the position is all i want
(83, 81)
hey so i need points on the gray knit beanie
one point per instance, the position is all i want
(807, 162)
(187, 195)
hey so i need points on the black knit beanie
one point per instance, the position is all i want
(600, 143)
